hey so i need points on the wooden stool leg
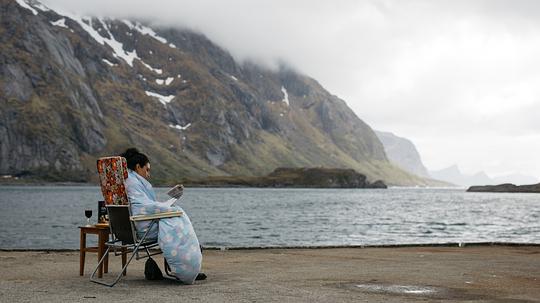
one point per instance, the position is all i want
(82, 253)
(124, 259)
(104, 234)
(100, 252)
(106, 264)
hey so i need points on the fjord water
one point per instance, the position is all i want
(47, 216)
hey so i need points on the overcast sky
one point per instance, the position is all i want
(461, 79)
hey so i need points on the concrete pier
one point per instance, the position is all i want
(399, 274)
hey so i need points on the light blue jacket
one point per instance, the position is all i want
(143, 201)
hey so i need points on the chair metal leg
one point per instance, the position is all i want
(168, 271)
(167, 268)
(93, 279)
(133, 254)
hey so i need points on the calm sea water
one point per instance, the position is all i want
(48, 216)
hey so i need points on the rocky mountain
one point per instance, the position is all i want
(75, 88)
(403, 153)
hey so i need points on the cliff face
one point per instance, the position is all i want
(403, 153)
(75, 88)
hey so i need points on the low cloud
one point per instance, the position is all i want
(459, 78)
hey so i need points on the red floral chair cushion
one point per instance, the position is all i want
(112, 173)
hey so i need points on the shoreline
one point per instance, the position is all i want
(88, 184)
(308, 247)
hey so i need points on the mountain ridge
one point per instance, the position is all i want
(76, 88)
(454, 175)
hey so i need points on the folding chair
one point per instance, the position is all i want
(125, 239)
(112, 173)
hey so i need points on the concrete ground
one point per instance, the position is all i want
(398, 274)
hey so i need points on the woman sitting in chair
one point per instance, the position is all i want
(176, 236)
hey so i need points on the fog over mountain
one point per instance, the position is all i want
(405, 155)
(458, 78)
(453, 175)
(75, 88)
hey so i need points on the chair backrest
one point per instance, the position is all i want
(120, 223)
(112, 173)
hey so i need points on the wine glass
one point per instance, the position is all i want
(88, 214)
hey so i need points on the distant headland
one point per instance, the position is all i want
(506, 188)
(283, 177)
(292, 177)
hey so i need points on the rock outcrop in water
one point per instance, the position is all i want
(295, 177)
(506, 188)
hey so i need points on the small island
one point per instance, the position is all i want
(285, 177)
(506, 188)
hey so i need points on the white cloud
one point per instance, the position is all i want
(459, 78)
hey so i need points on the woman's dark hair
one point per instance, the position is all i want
(134, 157)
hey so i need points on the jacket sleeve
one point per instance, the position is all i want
(141, 204)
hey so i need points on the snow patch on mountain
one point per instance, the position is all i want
(155, 70)
(285, 95)
(117, 47)
(23, 4)
(145, 30)
(60, 22)
(166, 81)
(163, 99)
(179, 127)
(40, 6)
(86, 25)
(108, 62)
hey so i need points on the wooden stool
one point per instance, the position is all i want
(102, 231)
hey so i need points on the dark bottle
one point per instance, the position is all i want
(102, 212)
